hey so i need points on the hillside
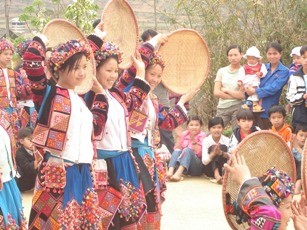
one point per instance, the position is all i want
(143, 9)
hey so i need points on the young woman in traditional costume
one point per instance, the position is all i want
(11, 85)
(143, 123)
(11, 214)
(115, 145)
(64, 197)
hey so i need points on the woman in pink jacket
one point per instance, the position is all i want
(187, 154)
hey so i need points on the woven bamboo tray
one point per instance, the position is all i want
(60, 31)
(187, 60)
(262, 150)
(121, 27)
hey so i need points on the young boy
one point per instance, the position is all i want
(297, 94)
(277, 116)
(298, 144)
(245, 120)
(296, 60)
(27, 160)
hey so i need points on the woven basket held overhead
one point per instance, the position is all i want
(304, 169)
(262, 150)
(59, 31)
(187, 61)
(121, 27)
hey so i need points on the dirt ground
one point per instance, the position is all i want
(192, 204)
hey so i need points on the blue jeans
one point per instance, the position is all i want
(188, 160)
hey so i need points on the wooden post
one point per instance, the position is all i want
(7, 19)
(155, 12)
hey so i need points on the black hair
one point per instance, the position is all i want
(114, 56)
(215, 121)
(300, 127)
(233, 47)
(303, 50)
(96, 22)
(277, 109)
(245, 114)
(274, 45)
(147, 34)
(72, 61)
(195, 118)
(24, 132)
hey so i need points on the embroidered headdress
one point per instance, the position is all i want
(107, 50)
(5, 45)
(61, 53)
(156, 58)
(22, 47)
(277, 184)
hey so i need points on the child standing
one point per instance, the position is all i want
(296, 60)
(27, 160)
(297, 92)
(297, 150)
(254, 70)
(11, 216)
(277, 116)
(188, 151)
(245, 120)
(215, 149)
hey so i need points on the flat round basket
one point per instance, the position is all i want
(304, 169)
(59, 31)
(262, 150)
(187, 61)
(121, 27)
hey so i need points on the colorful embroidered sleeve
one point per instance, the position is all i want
(254, 201)
(99, 110)
(33, 65)
(128, 76)
(23, 88)
(99, 106)
(136, 95)
(175, 117)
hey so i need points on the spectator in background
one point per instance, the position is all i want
(296, 60)
(186, 157)
(226, 88)
(245, 120)
(277, 116)
(27, 160)
(297, 92)
(271, 85)
(215, 150)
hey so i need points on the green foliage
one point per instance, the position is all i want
(82, 13)
(242, 22)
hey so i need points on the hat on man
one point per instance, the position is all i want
(296, 51)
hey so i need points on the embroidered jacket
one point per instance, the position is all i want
(185, 142)
(7, 163)
(254, 202)
(53, 103)
(18, 88)
(165, 120)
(130, 100)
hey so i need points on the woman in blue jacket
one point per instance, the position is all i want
(271, 85)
